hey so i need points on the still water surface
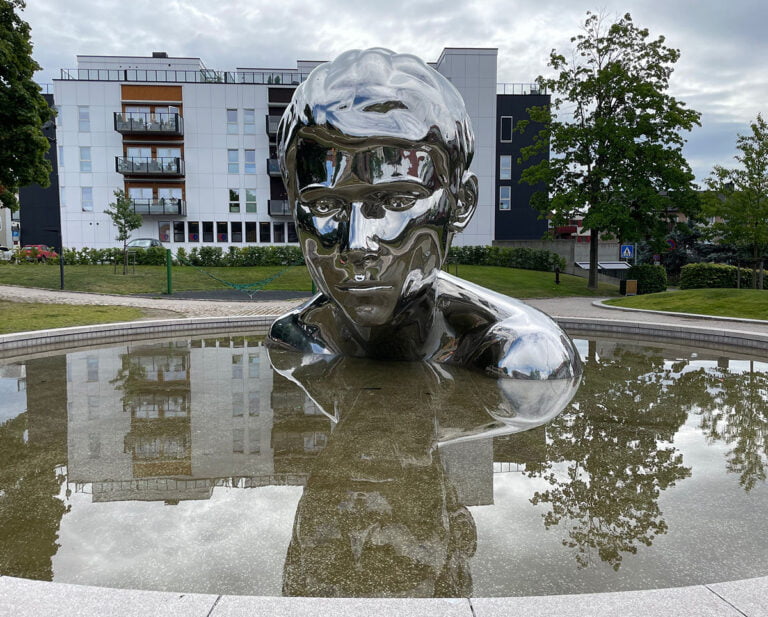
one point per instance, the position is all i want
(192, 465)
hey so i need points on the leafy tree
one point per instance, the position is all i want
(23, 110)
(617, 160)
(124, 217)
(739, 197)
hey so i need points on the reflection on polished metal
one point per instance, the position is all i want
(381, 515)
(375, 149)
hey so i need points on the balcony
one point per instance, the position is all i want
(146, 166)
(160, 207)
(273, 168)
(145, 123)
(279, 207)
(272, 124)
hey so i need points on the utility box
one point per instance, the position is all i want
(628, 287)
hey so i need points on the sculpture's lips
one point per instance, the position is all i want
(363, 286)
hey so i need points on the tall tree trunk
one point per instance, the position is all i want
(594, 236)
(762, 274)
(755, 259)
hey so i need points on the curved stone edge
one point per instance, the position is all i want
(23, 597)
(77, 336)
(27, 598)
(601, 304)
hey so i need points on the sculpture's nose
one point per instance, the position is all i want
(360, 244)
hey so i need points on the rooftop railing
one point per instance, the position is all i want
(520, 88)
(200, 76)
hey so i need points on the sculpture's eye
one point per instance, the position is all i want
(399, 202)
(324, 206)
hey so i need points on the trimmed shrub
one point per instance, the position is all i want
(710, 276)
(507, 257)
(650, 279)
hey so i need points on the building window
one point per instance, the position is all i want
(237, 366)
(232, 128)
(254, 362)
(278, 232)
(264, 232)
(506, 129)
(178, 231)
(233, 162)
(85, 159)
(193, 231)
(292, 236)
(237, 231)
(170, 198)
(234, 200)
(207, 231)
(505, 198)
(505, 167)
(238, 439)
(249, 121)
(254, 402)
(250, 231)
(250, 200)
(254, 441)
(84, 119)
(86, 198)
(238, 404)
(250, 161)
(221, 232)
(164, 231)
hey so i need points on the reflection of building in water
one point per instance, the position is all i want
(171, 420)
(300, 429)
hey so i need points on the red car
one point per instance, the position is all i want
(39, 252)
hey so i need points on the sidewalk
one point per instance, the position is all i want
(186, 307)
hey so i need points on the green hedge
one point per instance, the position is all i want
(650, 279)
(213, 256)
(508, 257)
(707, 275)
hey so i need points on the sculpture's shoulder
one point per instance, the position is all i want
(503, 336)
(295, 330)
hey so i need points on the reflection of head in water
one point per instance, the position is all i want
(405, 537)
(379, 517)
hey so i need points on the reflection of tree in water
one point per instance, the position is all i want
(32, 446)
(615, 447)
(733, 410)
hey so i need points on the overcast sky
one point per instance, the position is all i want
(722, 72)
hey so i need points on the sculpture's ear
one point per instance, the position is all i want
(466, 202)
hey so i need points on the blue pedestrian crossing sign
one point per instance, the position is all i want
(627, 251)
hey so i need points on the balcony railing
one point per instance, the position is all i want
(201, 76)
(163, 207)
(272, 124)
(273, 167)
(146, 123)
(146, 166)
(278, 207)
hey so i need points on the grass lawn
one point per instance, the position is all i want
(25, 316)
(151, 279)
(746, 303)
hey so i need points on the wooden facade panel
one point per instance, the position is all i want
(140, 92)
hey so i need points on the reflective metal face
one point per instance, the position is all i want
(374, 222)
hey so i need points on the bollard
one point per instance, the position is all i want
(168, 262)
(557, 275)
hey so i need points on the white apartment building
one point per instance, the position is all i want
(195, 148)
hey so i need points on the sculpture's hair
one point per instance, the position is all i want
(379, 93)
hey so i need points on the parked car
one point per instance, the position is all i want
(39, 252)
(6, 254)
(144, 243)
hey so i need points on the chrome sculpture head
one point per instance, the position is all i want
(374, 151)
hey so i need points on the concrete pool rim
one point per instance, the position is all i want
(21, 597)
